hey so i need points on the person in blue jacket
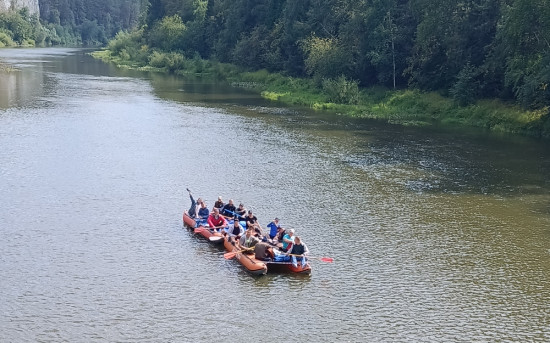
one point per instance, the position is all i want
(274, 228)
(203, 212)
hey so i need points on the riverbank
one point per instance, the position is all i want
(344, 97)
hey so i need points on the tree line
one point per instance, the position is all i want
(69, 22)
(465, 49)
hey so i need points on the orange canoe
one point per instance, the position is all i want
(251, 264)
(204, 231)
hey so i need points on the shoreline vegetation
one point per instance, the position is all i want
(342, 96)
(473, 64)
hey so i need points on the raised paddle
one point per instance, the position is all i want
(324, 259)
(230, 255)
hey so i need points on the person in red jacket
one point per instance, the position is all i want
(216, 221)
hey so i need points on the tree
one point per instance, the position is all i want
(168, 34)
(524, 36)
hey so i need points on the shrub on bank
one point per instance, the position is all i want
(6, 40)
(341, 90)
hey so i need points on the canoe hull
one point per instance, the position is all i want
(188, 221)
(252, 265)
(287, 267)
(209, 235)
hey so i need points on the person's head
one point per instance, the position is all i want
(203, 204)
(216, 211)
(199, 201)
(250, 212)
(297, 240)
(249, 232)
(276, 220)
(230, 201)
(236, 222)
(241, 205)
(291, 232)
(220, 198)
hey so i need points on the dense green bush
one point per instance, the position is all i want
(170, 61)
(341, 90)
(466, 88)
(168, 34)
(5, 39)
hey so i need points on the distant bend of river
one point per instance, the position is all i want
(437, 236)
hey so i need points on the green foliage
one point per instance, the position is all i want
(465, 89)
(18, 24)
(468, 49)
(168, 34)
(18, 28)
(341, 90)
(524, 35)
(325, 57)
(129, 46)
(92, 33)
(76, 18)
(6, 39)
(172, 61)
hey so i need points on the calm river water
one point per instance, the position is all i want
(436, 235)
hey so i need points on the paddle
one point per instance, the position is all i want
(324, 259)
(230, 255)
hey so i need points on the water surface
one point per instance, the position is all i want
(437, 235)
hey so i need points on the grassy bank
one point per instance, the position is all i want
(406, 107)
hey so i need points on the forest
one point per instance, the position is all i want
(69, 23)
(465, 50)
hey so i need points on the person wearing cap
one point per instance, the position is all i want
(288, 240)
(219, 203)
(274, 228)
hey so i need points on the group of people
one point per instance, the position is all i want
(250, 238)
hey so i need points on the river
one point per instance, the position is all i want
(437, 235)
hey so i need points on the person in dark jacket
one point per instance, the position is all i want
(203, 212)
(298, 252)
(219, 203)
(228, 209)
(299, 248)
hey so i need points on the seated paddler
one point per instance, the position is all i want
(216, 221)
